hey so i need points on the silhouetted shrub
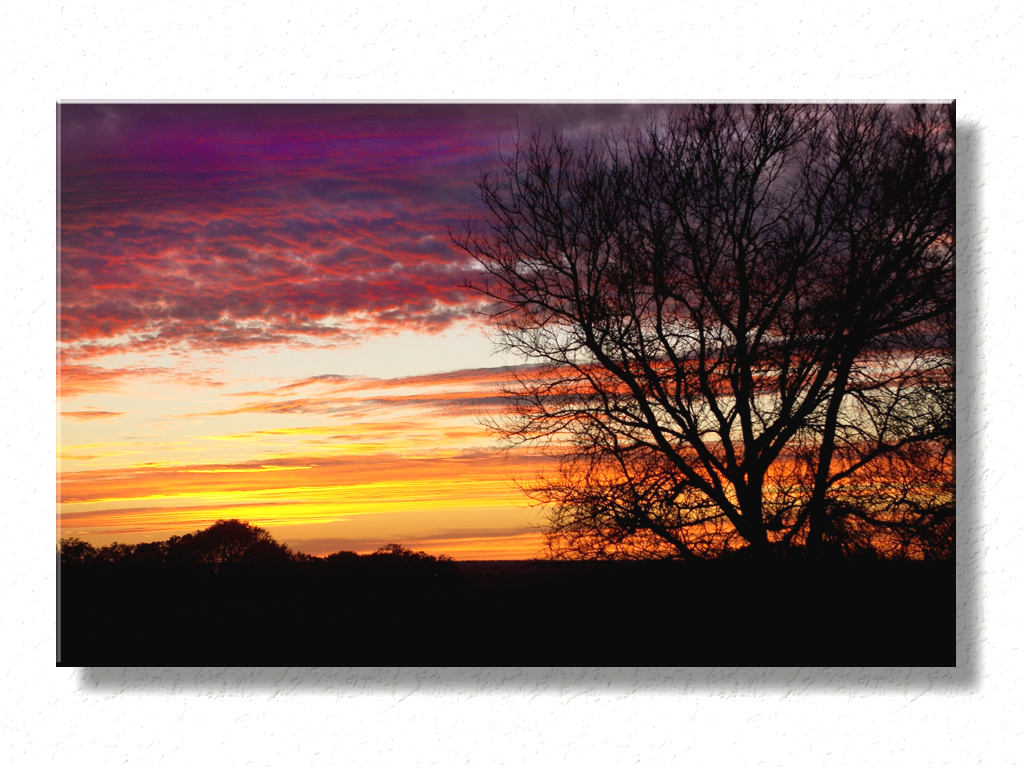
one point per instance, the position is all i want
(74, 551)
(227, 541)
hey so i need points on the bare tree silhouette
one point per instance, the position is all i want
(738, 322)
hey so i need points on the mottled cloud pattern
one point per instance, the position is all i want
(211, 227)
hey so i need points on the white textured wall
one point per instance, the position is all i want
(825, 49)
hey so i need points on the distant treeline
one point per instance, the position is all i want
(230, 595)
(234, 543)
(227, 541)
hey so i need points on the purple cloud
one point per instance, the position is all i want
(215, 226)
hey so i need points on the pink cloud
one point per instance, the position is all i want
(77, 379)
(91, 415)
(226, 226)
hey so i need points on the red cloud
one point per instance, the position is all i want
(219, 226)
(76, 379)
(91, 415)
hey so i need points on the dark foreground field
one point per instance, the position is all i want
(509, 614)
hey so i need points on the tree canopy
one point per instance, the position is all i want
(738, 328)
(228, 541)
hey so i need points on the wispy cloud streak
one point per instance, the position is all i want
(91, 415)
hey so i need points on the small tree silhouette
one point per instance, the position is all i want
(75, 551)
(228, 541)
(399, 551)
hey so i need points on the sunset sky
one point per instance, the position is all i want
(261, 318)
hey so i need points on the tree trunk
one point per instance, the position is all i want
(752, 509)
(818, 520)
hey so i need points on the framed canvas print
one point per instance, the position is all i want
(506, 384)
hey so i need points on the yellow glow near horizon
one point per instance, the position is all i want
(405, 457)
